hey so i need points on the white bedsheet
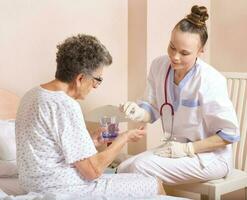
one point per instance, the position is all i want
(10, 190)
(50, 196)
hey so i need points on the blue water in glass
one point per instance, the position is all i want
(112, 131)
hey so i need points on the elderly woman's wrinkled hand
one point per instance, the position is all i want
(96, 136)
(135, 134)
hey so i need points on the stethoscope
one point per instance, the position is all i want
(169, 106)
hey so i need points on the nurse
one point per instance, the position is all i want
(191, 98)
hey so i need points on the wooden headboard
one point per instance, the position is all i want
(8, 104)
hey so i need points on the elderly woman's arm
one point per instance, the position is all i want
(92, 167)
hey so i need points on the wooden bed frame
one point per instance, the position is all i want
(8, 104)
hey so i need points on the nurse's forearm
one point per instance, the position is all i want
(209, 144)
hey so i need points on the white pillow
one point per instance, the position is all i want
(8, 168)
(7, 140)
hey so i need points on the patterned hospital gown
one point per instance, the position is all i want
(51, 135)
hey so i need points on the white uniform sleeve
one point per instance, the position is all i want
(218, 111)
(149, 102)
(76, 142)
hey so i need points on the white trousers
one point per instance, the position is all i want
(174, 171)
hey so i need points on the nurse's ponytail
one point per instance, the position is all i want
(198, 16)
(195, 22)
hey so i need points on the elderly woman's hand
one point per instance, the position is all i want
(96, 136)
(135, 134)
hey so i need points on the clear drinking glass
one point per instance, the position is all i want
(111, 125)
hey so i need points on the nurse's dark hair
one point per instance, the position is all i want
(195, 22)
(80, 54)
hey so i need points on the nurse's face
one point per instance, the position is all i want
(183, 49)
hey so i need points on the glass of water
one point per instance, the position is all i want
(111, 125)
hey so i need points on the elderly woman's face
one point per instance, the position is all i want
(88, 82)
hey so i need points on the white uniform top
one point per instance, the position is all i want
(51, 135)
(201, 104)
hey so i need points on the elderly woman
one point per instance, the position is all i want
(55, 152)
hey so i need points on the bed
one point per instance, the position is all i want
(8, 179)
(9, 186)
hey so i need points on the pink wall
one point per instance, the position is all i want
(229, 31)
(30, 31)
(137, 62)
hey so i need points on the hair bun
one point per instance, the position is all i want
(198, 15)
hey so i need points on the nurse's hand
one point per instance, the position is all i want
(176, 150)
(133, 111)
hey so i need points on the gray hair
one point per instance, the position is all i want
(80, 54)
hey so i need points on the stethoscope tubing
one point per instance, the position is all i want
(165, 93)
(166, 103)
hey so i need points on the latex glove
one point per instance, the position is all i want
(176, 150)
(133, 111)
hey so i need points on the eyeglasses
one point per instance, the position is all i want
(98, 79)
